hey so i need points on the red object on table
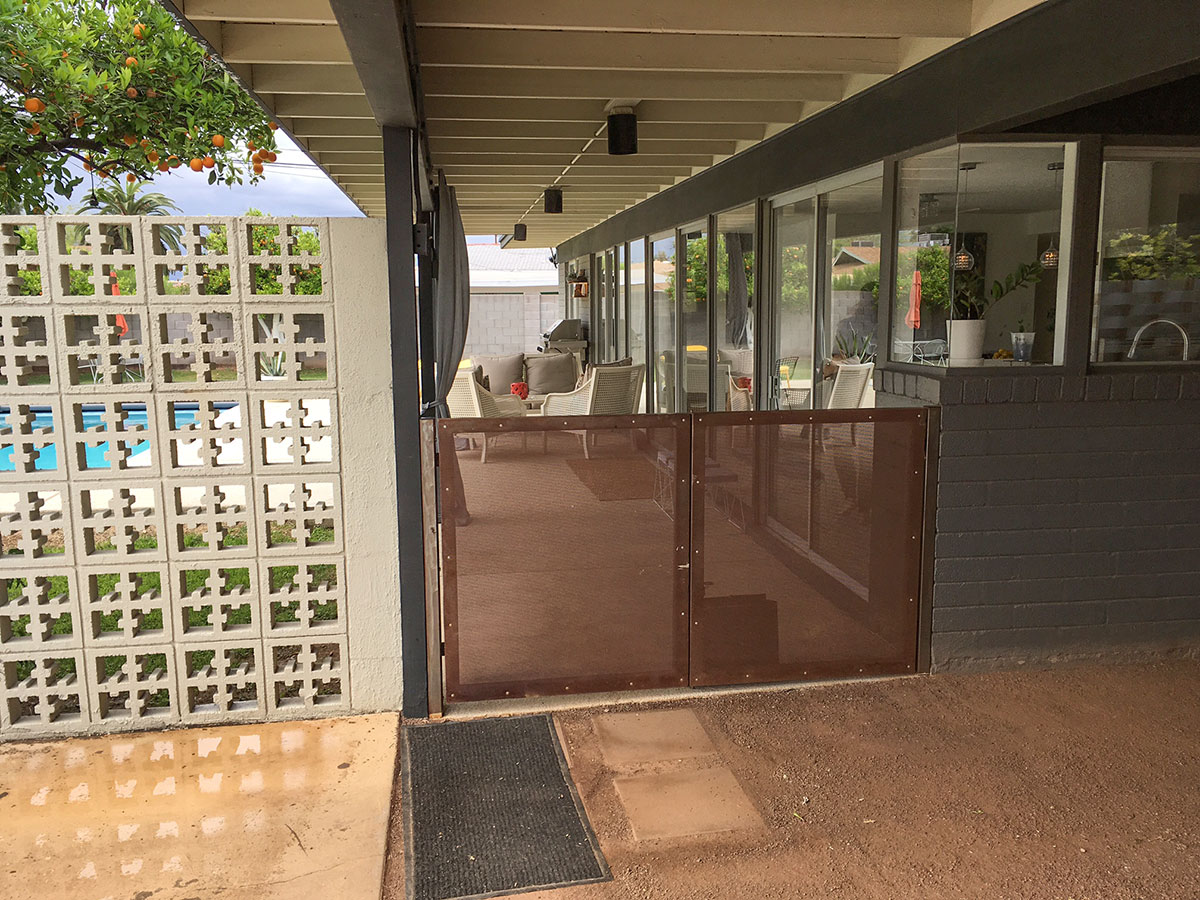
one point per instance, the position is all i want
(520, 389)
(743, 382)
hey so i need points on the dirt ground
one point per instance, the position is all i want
(1073, 783)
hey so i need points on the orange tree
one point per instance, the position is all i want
(118, 87)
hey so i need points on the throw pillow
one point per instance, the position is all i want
(502, 371)
(550, 373)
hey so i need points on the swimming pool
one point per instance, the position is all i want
(93, 417)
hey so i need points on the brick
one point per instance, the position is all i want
(1056, 562)
(1072, 388)
(1122, 388)
(999, 389)
(1168, 387)
(974, 390)
(1154, 609)
(972, 618)
(1049, 388)
(1098, 387)
(1024, 389)
(973, 568)
(951, 393)
(962, 494)
(1068, 613)
(1145, 387)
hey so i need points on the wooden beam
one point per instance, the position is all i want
(566, 146)
(299, 79)
(331, 127)
(605, 162)
(339, 107)
(581, 131)
(886, 18)
(659, 174)
(284, 12)
(600, 84)
(349, 157)
(524, 109)
(308, 45)
(345, 144)
(374, 32)
(608, 51)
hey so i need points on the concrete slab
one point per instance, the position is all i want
(281, 810)
(683, 804)
(632, 738)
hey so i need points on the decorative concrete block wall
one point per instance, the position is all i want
(173, 514)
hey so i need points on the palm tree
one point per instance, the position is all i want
(125, 200)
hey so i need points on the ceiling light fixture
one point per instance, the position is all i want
(1049, 257)
(964, 260)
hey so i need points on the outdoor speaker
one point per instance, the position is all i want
(553, 200)
(622, 133)
(519, 232)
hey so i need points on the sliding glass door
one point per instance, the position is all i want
(734, 296)
(662, 310)
(638, 279)
(793, 241)
(693, 317)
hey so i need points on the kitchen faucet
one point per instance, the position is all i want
(1138, 334)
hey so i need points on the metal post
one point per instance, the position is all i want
(402, 305)
(425, 269)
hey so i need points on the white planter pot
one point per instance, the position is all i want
(965, 337)
(263, 376)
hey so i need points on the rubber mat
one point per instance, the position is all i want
(492, 810)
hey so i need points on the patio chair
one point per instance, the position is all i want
(608, 391)
(469, 400)
(740, 399)
(849, 385)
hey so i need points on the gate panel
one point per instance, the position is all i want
(806, 544)
(564, 571)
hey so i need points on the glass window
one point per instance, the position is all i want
(733, 295)
(662, 308)
(620, 339)
(1147, 306)
(693, 317)
(602, 330)
(980, 262)
(793, 228)
(578, 288)
(850, 306)
(1008, 262)
(925, 205)
(637, 308)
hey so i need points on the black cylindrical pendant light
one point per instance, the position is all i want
(519, 231)
(553, 200)
(622, 132)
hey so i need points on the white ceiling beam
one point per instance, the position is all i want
(524, 109)
(345, 144)
(340, 107)
(581, 131)
(660, 174)
(439, 146)
(318, 127)
(284, 12)
(517, 161)
(885, 18)
(604, 85)
(629, 178)
(303, 79)
(348, 156)
(607, 51)
(309, 45)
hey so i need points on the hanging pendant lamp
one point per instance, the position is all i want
(1049, 257)
(964, 260)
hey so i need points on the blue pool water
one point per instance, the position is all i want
(93, 417)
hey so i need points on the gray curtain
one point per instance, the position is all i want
(737, 306)
(451, 293)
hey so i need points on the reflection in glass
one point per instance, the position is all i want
(734, 297)
(662, 308)
(694, 317)
(637, 308)
(620, 340)
(850, 309)
(792, 233)
(925, 207)
(1148, 282)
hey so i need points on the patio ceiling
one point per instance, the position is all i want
(514, 93)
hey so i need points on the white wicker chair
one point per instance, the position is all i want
(469, 400)
(740, 399)
(849, 385)
(608, 391)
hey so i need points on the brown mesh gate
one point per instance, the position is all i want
(564, 554)
(620, 553)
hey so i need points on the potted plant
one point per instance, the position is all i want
(965, 330)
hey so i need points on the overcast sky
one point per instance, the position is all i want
(293, 186)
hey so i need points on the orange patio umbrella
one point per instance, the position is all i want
(912, 318)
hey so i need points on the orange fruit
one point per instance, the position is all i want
(196, 163)
(131, 93)
(272, 156)
(163, 167)
(129, 140)
(209, 162)
(218, 141)
(131, 178)
(152, 157)
(130, 61)
(173, 162)
(87, 167)
(152, 93)
(139, 31)
(143, 143)
(34, 105)
(250, 145)
(35, 128)
(258, 168)
(79, 121)
(274, 126)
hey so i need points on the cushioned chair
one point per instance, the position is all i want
(469, 400)
(849, 386)
(608, 391)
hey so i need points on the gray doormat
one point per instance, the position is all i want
(492, 810)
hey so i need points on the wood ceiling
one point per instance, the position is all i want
(515, 91)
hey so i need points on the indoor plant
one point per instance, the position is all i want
(965, 329)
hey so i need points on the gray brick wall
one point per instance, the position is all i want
(503, 323)
(1068, 517)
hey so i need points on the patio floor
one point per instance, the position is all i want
(1077, 783)
(245, 812)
